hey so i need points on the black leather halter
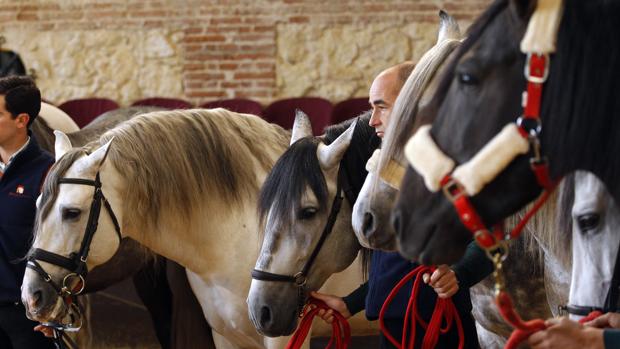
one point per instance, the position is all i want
(300, 278)
(76, 262)
(611, 301)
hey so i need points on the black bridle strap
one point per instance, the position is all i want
(76, 262)
(300, 277)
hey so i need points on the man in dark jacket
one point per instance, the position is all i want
(388, 268)
(23, 166)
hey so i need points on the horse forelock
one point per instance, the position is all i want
(176, 163)
(295, 171)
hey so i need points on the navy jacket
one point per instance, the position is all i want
(20, 186)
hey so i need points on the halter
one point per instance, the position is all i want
(300, 278)
(76, 262)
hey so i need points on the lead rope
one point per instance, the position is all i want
(444, 310)
(341, 330)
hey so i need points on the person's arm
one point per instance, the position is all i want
(356, 300)
(473, 267)
(346, 306)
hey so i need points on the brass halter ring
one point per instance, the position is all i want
(66, 284)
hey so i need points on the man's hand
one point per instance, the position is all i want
(333, 302)
(47, 331)
(562, 333)
(605, 321)
(443, 280)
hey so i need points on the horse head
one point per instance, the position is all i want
(371, 212)
(594, 217)
(307, 233)
(485, 79)
(78, 212)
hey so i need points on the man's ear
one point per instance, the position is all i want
(22, 120)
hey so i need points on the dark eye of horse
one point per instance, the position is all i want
(307, 213)
(588, 221)
(70, 214)
(467, 79)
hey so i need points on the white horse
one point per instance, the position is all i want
(590, 218)
(306, 205)
(184, 184)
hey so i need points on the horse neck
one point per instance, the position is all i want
(215, 231)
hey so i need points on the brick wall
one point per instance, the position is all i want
(218, 48)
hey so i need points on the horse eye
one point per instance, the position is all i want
(588, 221)
(307, 213)
(467, 79)
(70, 214)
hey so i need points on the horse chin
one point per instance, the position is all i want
(385, 244)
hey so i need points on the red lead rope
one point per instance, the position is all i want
(341, 331)
(444, 310)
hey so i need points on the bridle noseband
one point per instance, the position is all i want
(300, 279)
(73, 283)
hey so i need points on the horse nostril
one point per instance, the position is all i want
(36, 299)
(368, 224)
(396, 220)
(265, 316)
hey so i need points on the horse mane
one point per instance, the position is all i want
(403, 119)
(107, 121)
(173, 162)
(580, 110)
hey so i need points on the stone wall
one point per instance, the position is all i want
(211, 49)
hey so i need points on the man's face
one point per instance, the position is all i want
(10, 127)
(382, 95)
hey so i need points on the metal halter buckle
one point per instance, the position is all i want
(453, 190)
(300, 279)
(536, 79)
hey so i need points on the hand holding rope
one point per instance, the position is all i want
(341, 331)
(444, 311)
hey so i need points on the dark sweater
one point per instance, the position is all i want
(20, 186)
(388, 268)
(611, 337)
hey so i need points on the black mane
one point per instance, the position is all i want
(581, 105)
(299, 166)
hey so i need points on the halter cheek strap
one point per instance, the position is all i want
(393, 172)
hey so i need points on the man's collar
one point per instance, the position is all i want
(4, 166)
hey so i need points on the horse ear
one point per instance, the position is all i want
(62, 145)
(448, 27)
(96, 159)
(302, 127)
(330, 155)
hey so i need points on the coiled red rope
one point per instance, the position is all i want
(341, 330)
(444, 311)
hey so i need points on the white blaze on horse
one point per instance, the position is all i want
(184, 184)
